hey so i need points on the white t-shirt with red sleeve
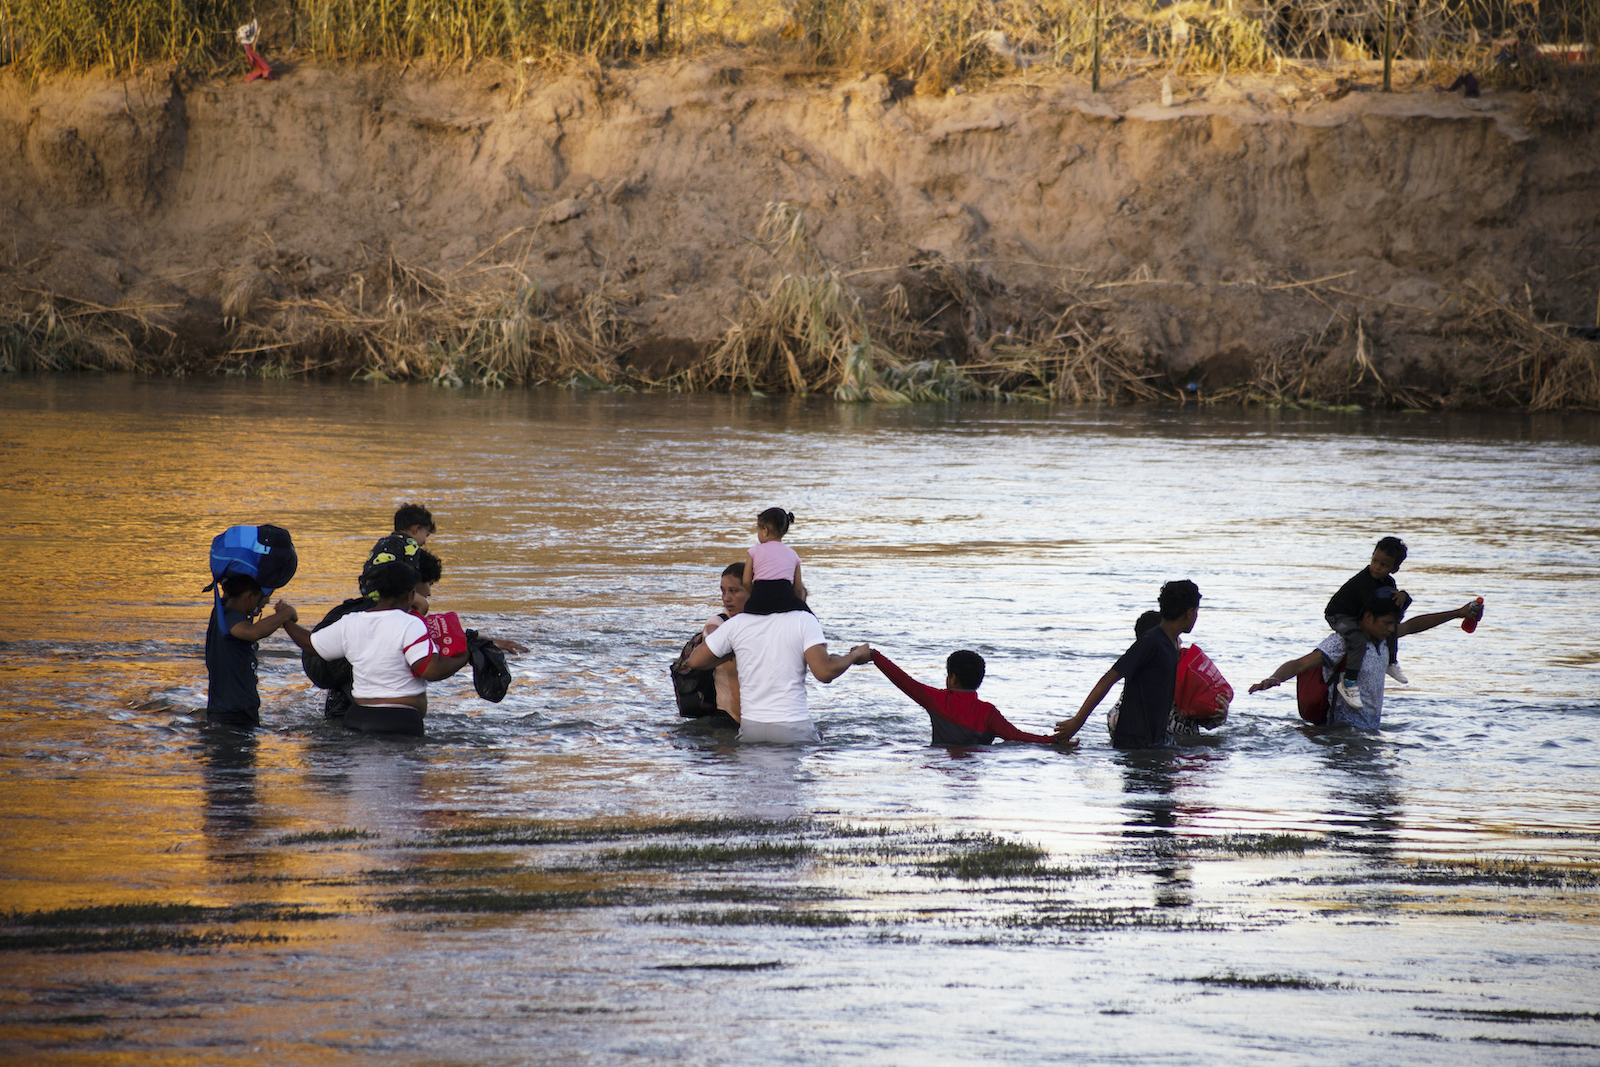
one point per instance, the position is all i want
(387, 651)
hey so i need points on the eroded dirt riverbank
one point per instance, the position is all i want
(1263, 237)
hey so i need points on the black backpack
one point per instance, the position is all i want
(696, 690)
(334, 673)
(490, 675)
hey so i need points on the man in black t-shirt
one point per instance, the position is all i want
(1151, 668)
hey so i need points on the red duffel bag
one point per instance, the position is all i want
(1199, 685)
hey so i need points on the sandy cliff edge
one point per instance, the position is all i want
(1255, 216)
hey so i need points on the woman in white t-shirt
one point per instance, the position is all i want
(390, 654)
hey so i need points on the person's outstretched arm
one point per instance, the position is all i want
(997, 724)
(922, 694)
(283, 613)
(299, 635)
(826, 668)
(1067, 727)
(1289, 670)
(1438, 618)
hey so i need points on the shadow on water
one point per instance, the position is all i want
(1364, 794)
(228, 758)
(1152, 807)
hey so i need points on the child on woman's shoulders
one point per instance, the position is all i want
(772, 568)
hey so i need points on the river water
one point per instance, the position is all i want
(575, 875)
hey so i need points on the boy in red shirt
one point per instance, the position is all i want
(957, 715)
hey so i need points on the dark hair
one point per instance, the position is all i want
(1178, 597)
(966, 667)
(1147, 620)
(429, 566)
(734, 570)
(235, 584)
(411, 515)
(777, 520)
(1394, 548)
(1378, 607)
(393, 580)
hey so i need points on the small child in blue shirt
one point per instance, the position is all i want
(231, 696)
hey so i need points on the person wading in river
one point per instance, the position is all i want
(773, 654)
(1151, 667)
(390, 654)
(1378, 624)
(956, 714)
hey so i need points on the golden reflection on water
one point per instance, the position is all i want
(591, 528)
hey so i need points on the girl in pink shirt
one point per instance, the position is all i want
(772, 571)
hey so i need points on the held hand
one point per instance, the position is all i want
(1063, 742)
(1266, 683)
(287, 610)
(861, 654)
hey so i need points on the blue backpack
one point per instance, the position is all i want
(265, 553)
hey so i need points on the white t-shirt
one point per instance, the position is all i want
(770, 651)
(1374, 668)
(384, 648)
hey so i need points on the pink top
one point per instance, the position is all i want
(773, 559)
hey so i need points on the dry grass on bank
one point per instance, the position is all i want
(806, 329)
(934, 43)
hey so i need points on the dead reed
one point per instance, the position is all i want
(52, 333)
(1538, 365)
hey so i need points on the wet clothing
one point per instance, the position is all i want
(773, 596)
(958, 717)
(773, 560)
(778, 733)
(231, 695)
(1344, 609)
(387, 549)
(770, 651)
(394, 719)
(1370, 685)
(1150, 678)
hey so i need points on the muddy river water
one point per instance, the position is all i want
(577, 876)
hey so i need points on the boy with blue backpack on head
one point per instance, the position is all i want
(247, 563)
(231, 696)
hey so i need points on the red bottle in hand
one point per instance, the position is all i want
(1470, 623)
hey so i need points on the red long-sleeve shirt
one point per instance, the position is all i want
(976, 722)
